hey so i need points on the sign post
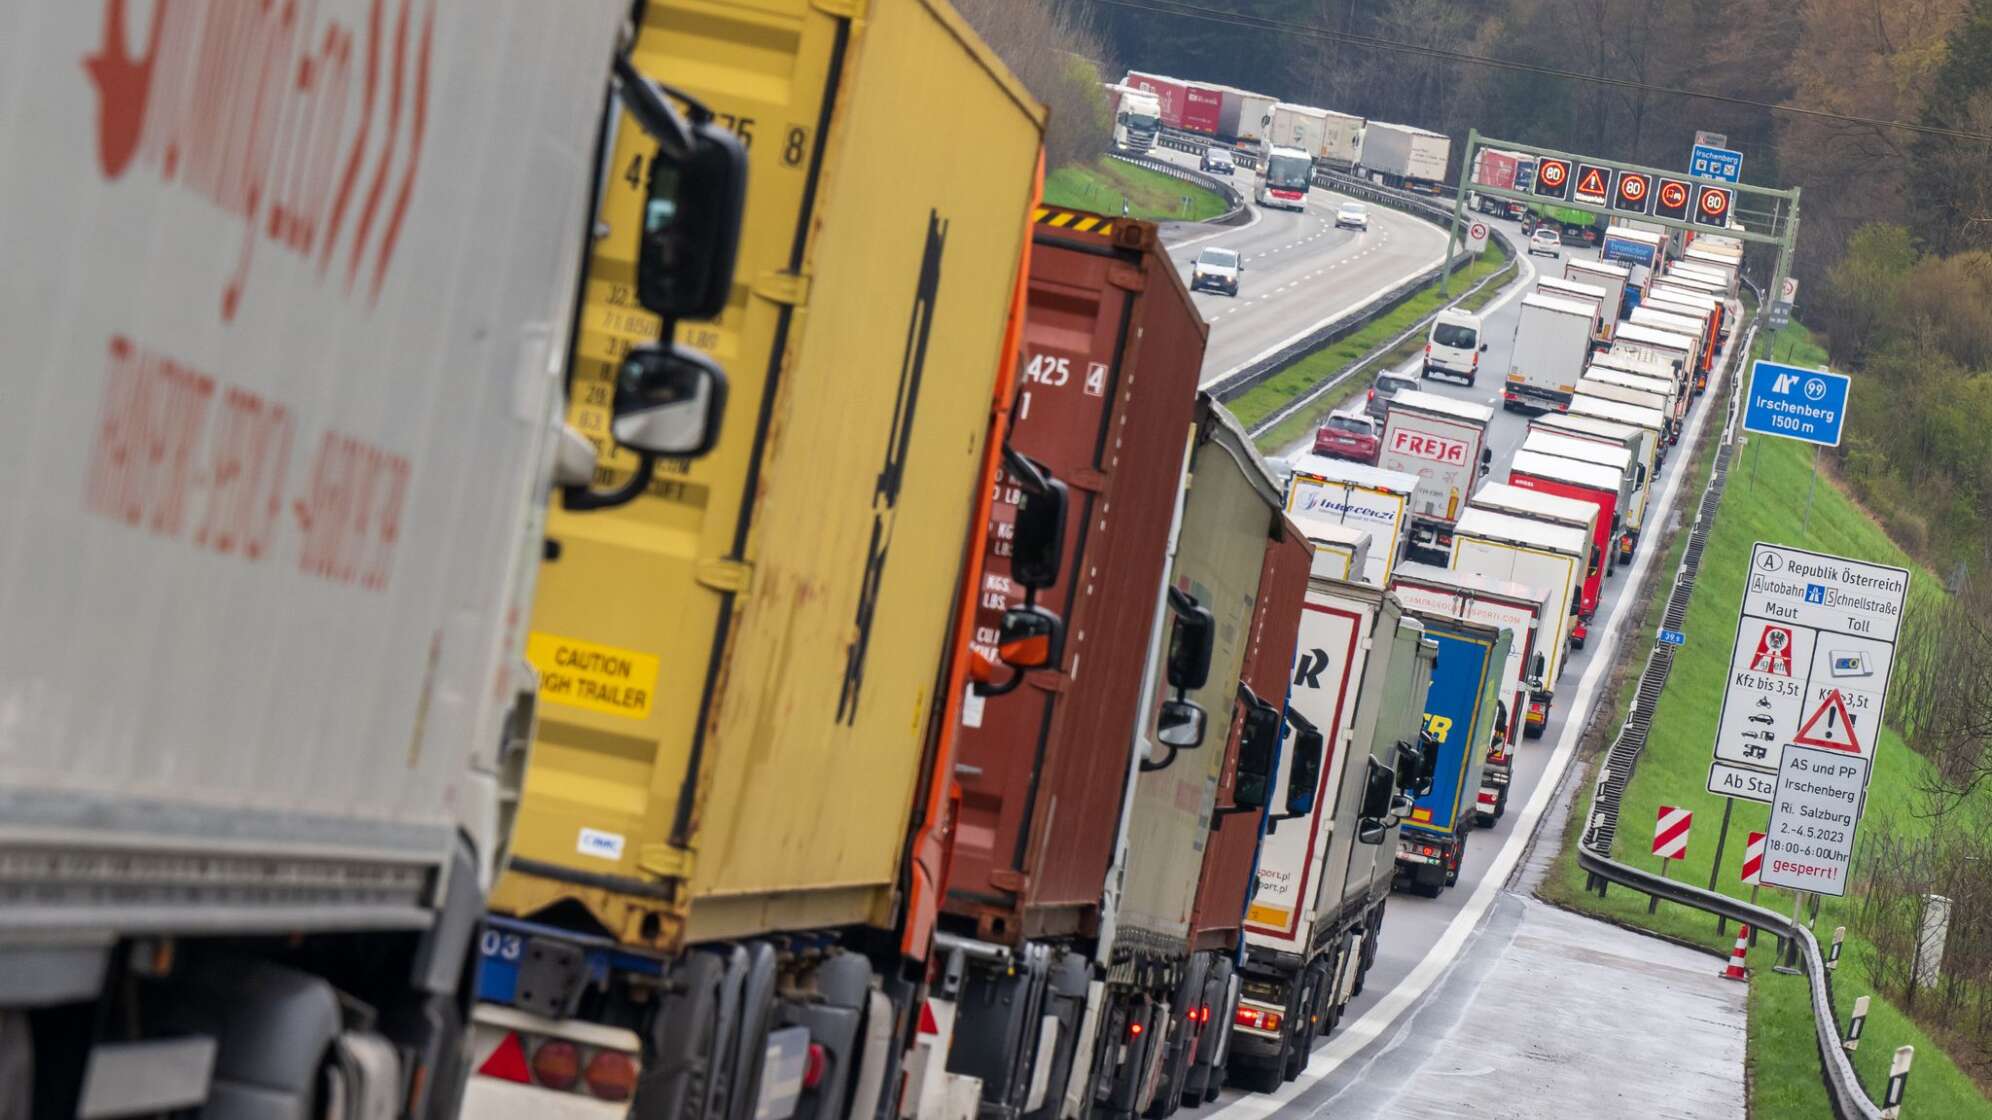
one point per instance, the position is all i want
(1815, 640)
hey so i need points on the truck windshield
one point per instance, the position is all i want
(1138, 120)
(1289, 173)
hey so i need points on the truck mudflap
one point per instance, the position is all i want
(1536, 719)
(1017, 1021)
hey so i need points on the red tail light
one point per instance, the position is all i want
(819, 1062)
(557, 1065)
(611, 1075)
(1134, 1029)
(1372, 394)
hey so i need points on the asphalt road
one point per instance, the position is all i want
(1300, 271)
(1424, 954)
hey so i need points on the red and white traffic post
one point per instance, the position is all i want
(1670, 842)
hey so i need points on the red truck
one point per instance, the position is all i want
(1111, 345)
(1203, 107)
(1585, 482)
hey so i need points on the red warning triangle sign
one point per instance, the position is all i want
(508, 1061)
(1593, 182)
(1831, 726)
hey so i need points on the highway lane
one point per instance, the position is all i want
(1300, 271)
(1424, 939)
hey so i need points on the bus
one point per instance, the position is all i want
(1284, 179)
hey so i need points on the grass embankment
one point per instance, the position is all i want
(1101, 186)
(1274, 393)
(1764, 500)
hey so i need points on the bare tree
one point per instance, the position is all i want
(1061, 60)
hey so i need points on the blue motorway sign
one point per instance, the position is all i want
(1673, 637)
(1716, 163)
(1796, 403)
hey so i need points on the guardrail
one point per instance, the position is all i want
(1796, 943)
(1232, 198)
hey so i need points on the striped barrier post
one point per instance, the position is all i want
(1898, 1080)
(1855, 1025)
(1670, 842)
(1753, 870)
(1833, 955)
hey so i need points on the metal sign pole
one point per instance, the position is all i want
(1459, 214)
(1721, 838)
(1806, 521)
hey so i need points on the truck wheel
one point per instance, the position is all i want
(1294, 1058)
(1458, 858)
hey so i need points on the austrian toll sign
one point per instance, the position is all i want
(1814, 644)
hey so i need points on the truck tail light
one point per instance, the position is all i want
(611, 1075)
(818, 1062)
(1259, 1020)
(557, 1064)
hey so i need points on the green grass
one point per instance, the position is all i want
(1102, 185)
(1764, 498)
(1274, 393)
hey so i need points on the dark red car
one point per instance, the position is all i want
(1350, 435)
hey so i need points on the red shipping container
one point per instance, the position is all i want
(1495, 169)
(1112, 348)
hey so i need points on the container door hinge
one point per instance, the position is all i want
(791, 288)
(1127, 277)
(665, 861)
(729, 576)
(1009, 879)
(843, 9)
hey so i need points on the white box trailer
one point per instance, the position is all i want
(1679, 349)
(1341, 141)
(1613, 278)
(1402, 155)
(1443, 443)
(275, 464)
(1615, 457)
(1535, 554)
(1652, 421)
(1660, 392)
(1641, 443)
(1356, 494)
(1728, 268)
(1552, 339)
(1296, 126)
(1244, 116)
(1694, 326)
(1576, 291)
(1340, 551)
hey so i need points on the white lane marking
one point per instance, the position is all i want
(1443, 953)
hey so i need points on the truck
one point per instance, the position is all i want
(1536, 554)
(1504, 170)
(265, 679)
(1640, 442)
(1661, 296)
(1680, 351)
(1373, 499)
(1443, 443)
(1711, 304)
(1137, 119)
(1041, 766)
(1146, 932)
(1577, 291)
(1297, 126)
(1549, 504)
(1613, 278)
(1722, 265)
(1585, 482)
(1340, 551)
(1637, 249)
(1652, 421)
(1692, 326)
(1520, 609)
(1341, 146)
(1242, 816)
(1244, 116)
(1360, 671)
(1203, 106)
(1614, 384)
(1284, 177)
(1615, 456)
(1552, 339)
(779, 631)
(1171, 93)
(1405, 156)
(1461, 712)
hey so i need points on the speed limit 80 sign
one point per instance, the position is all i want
(1712, 205)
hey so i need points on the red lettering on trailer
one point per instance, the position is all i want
(158, 458)
(237, 103)
(1425, 445)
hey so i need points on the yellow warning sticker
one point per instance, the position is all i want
(620, 682)
(1259, 914)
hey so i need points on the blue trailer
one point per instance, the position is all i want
(1460, 714)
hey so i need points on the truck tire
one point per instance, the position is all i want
(1294, 1058)
(1458, 859)
(1261, 1079)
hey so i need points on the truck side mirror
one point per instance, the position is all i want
(691, 224)
(1428, 763)
(1538, 665)
(1037, 542)
(669, 400)
(1305, 773)
(1029, 637)
(1180, 725)
(1379, 797)
(1190, 640)
(1258, 753)
(1483, 348)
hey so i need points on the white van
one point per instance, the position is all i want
(1454, 346)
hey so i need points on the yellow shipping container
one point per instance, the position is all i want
(739, 668)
